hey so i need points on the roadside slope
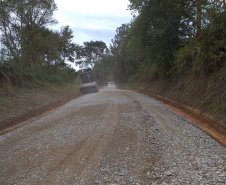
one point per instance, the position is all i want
(25, 103)
(207, 94)
(200, 97)
(111, 137)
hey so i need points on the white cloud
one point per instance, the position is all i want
(94, 6)
(92, 19)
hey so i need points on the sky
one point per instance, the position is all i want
(95, 20)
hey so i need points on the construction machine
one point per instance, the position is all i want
(88, 84)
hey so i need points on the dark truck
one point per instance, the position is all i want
(88, 84)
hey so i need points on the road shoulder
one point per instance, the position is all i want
(206, 122)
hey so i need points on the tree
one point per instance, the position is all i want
(38, 14)
(103, 70)
(19, 22)
(91, 52)
(67, 49)
(153, 37)
(118, 49)
(121, 33)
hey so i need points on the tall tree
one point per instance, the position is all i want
(160, 24)
(118, 49)
(68, 49)
(91, 52)
(19, 21)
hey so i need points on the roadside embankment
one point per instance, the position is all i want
(25, 103)
(202, 99)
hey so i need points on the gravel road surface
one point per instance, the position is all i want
(112, 137)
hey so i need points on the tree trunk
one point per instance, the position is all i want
(198, 25)
(56, 70)
(198, 18)
(21, 44)
(32, 32)
(21, 71)
(32, 55)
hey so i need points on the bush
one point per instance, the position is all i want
(184, 58)
(44, 74)
(8, 73)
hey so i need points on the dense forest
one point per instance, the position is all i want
(175, 48)
(168, 38)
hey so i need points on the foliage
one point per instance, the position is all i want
(90, 53)
(68, 49)
(184, 59)
(168, 38)
(149, 40)
(8, 76)
(213, 49)
(19, 22)
(36, 53)
(103, 70)
(164, 39)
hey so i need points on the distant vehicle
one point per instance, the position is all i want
(111, 85)
(88, 84)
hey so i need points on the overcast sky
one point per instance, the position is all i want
(92, 19)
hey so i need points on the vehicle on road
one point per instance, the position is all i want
(111, 85)
(88, 84)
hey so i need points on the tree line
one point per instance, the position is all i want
(167, 38)
(32, 52)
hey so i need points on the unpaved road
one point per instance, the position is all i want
(111, 137)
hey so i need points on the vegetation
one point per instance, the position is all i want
(167, 37)
(29, 101)
(90, 53)
(170, 40)
(166, 41)
(31, 52)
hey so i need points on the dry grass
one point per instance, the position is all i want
(28, 99)
(204, 93)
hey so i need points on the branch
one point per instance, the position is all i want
(184, 10)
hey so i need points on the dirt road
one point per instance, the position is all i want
(111, 137)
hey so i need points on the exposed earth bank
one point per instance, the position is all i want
(207, 94)
(201, 98)
(204, 121)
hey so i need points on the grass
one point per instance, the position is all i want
(206, 93)
(31, 97)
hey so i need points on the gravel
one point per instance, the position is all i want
(113, 137)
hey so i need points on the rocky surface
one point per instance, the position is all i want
(111, 137)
